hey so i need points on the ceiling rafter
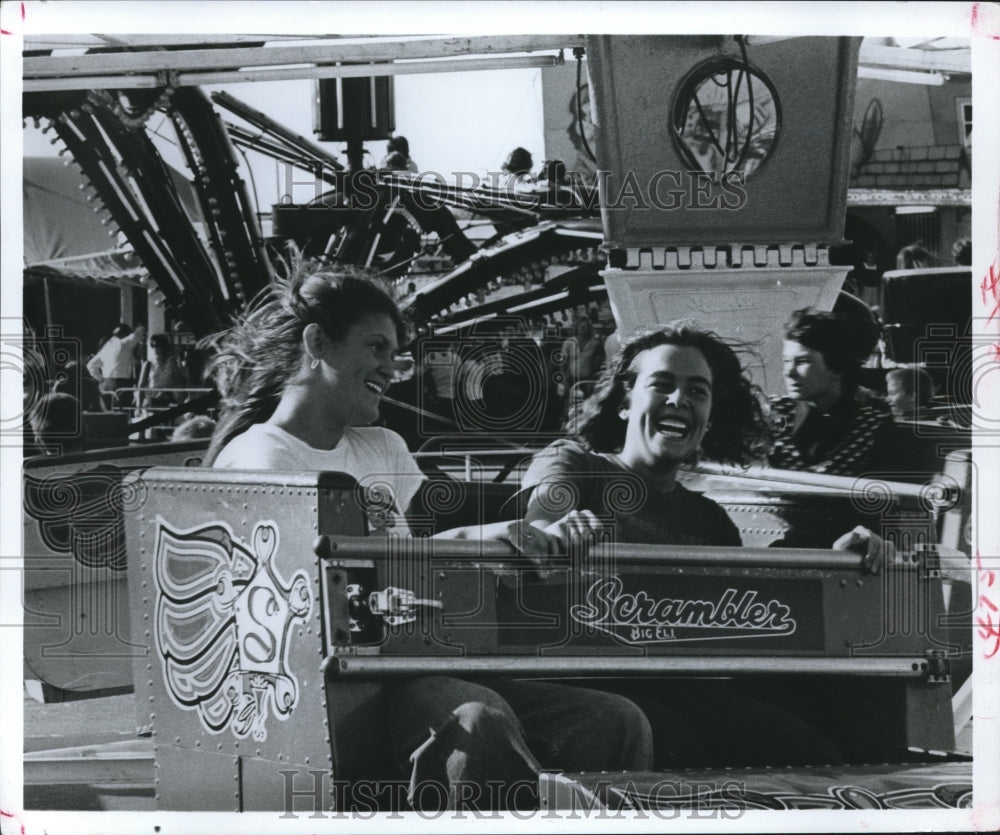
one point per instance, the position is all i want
(327, 52)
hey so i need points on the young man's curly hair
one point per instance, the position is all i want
(738, 431)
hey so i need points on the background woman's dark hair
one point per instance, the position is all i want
(399, 144)
(914, 257)
(518, 161)
(738, 433)
(121, 330)
(831, 335)
(263, 350)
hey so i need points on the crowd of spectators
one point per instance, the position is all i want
(74, 404)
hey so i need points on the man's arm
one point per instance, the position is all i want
(94, 366)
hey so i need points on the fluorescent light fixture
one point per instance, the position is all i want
(915, 210)
(933, 79)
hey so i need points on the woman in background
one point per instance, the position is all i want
(160, 371)
(828, 423)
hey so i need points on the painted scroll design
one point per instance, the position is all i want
(224, 620)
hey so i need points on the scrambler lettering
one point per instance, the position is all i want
(638, 618)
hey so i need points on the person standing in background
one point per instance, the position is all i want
(160, 371)
(397, 155)
(113, 365)
(440, 371)
(914, 257)
(583, 352)
(961, 251)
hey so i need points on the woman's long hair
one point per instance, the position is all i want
(738, 433)
(262, 351)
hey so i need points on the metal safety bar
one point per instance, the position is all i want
(187, 391)
(343, 547)
(792, 478)
(474, 453)
(846, 484)
(605, 665)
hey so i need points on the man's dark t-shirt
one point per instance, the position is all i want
(577, 479)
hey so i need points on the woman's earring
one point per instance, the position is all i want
(314, 364)
(623, 414)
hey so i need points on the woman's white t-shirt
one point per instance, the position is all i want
(377, 458)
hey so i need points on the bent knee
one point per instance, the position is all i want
(627, 723)
(484, 719)
(627, 715)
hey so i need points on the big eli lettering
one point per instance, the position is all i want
(639, 618)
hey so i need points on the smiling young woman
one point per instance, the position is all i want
(302, 376)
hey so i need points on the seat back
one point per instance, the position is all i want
(77, 635)
(226, 595)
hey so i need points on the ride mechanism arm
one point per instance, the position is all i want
(113, 150)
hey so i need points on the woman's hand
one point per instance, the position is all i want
(870, 545)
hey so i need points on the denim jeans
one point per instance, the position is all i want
(481, 745)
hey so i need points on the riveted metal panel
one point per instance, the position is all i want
(76, 616)
(203, 780)
(225, 589)
(646, 600)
